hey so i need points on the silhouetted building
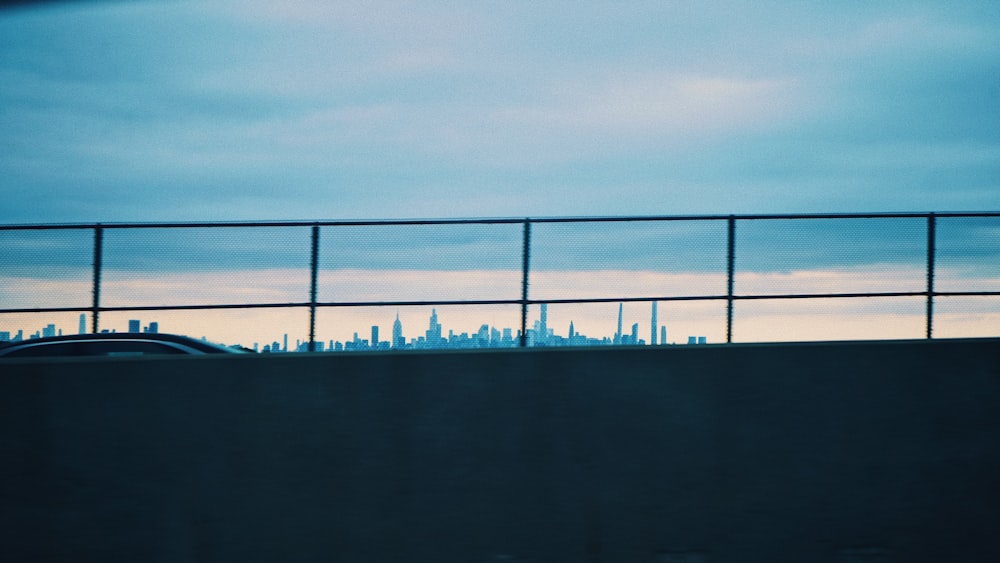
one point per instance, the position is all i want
(618, 333)
(434, 330)
(652, 327)
(398, 341)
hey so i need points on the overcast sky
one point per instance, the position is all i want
(212, 110)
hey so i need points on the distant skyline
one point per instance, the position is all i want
(242, 110)
(435, 336)
(754, 321)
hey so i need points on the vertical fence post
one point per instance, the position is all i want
(95, 308)
(730, 273)
(313, 276)
(525, 261)
(931, 246)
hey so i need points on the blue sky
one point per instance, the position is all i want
(210, 110)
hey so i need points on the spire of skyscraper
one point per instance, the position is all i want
(652, 327)
(397, 332)
(618, 334)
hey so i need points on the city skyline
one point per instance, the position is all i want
(539, 334)
(755, 321)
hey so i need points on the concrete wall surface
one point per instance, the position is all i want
(838, 452)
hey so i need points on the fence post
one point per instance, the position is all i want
(730, 272)
(313, 276)
(525, 261)
(95, 308)
(931, 246)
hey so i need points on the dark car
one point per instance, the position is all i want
(111, 344)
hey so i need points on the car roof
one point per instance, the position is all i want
(198, 346)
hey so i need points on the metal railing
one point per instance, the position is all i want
(732, 222)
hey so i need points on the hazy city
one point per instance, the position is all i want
(434, 336)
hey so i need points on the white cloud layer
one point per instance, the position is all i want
(307, 109)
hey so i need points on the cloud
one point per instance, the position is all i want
(667, 104)
(389, 109)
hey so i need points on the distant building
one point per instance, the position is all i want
(618, 333)
(652, 324)
(433, 334)
(398, 341)
(134, 325)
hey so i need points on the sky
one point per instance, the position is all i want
(217, 110)
(248, 110)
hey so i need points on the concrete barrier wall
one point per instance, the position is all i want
(841, 452)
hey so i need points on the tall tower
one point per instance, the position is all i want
(83, 323)
(618, 334)
(543, 326)
(652, 324)
(434, 330)
(397, 333)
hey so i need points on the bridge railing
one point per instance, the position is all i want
(766, 266)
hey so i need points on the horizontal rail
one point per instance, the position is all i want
(460, 302)
(495, 221)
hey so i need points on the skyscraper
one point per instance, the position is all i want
(618, 333)
(83, 323)
(134, 325)
(434, 330)
(397, 333)
(652, 325)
